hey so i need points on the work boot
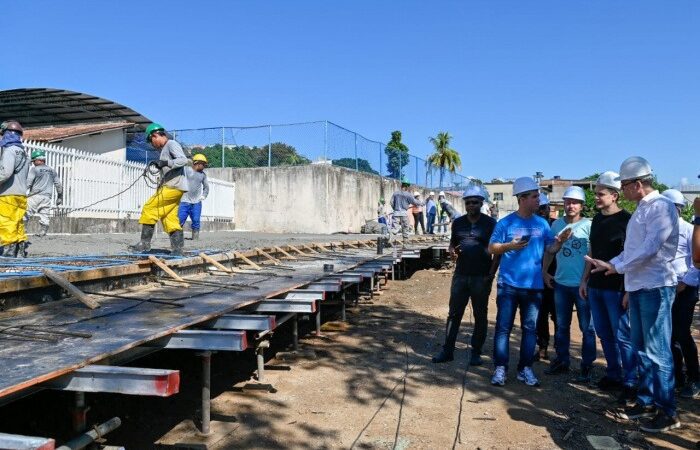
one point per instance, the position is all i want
(21, 249)
(42, 231)
(177, 243)
(443, 357)
(145, 244)
(195, 235)
(8, 251)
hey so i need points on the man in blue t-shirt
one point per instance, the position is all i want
(521, 239)
(570, 266)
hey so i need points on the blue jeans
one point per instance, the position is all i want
(564, 299)
(612, 324)
(650, 320)
(509, 299)
(193, 210)
(431, 222)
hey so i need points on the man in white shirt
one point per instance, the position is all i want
(647, 263)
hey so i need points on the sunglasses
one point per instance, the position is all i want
(471, 202)
(627, 183)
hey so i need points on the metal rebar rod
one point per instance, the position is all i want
(91, 436)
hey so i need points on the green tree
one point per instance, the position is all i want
(445, 159)
(242, 156)
(397, 155)
(362, 164)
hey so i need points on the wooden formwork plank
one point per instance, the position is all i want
(214, 262)
(274, 261)
(164, 267)
(309, 248)
(72, 290)
(281, 250)
(293, 248)
(247, 260)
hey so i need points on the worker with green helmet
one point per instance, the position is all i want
(41, 181)
(191, 203)
(163, 205)
(14, 167)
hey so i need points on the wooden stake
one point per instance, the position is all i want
(291, 247)
(214, 263)
(275, 261)
(72, 290)
(309, 248)
(279, 249)
(164, 267)
(247, 261)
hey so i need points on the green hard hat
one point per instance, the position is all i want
(151, 128)
(38, 154)
(405, 181)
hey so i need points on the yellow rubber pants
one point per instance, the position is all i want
(12, 211)
(163, 206)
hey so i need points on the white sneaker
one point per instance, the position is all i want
(528, 377)
(499, 376)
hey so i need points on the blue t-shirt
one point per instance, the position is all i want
(522, 268)
(570, 262)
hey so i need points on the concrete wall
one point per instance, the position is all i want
(508, 203)
(110, 143)
(308, 199)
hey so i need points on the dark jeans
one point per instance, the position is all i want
(464, 287)
(565, 297)
(650, 321)
(682, 343)
(508, 300)
(612, 324)
(431, 223)
(418, 219)
(547, 310)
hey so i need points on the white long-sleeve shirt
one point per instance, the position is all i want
(650, 245)
(682, 261)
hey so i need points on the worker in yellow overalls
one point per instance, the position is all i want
(163, 205)
(14, 168)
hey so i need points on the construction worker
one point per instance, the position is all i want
(447, 209)
(14, 167)
(547, 309)
(417, 212)
(163, 205)
(566, 282)
(650, 247)
(431, 212)
(521, 239)
(41, 182)
(682, 343)
(606, 294)
(198, 190)
(473, 275)
(400, 202)
(441, 213)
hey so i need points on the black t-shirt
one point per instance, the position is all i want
(473, 241)
(607, 241)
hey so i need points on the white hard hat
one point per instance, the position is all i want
(574, 193)
(442, 193)
(524, 184)
(416, 193)
(675, 196)
(544, 200)
(474, 191)
(634, 167)
(610, 180)
(431, 193)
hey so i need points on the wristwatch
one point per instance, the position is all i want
(696, 220)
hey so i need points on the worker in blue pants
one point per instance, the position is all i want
(191, 204)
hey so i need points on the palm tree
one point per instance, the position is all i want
(444, 158)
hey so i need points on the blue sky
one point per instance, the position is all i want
(565, 87)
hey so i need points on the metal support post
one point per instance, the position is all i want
(295, 332)
(80, 413)
(342, 306)
(357, 164)
(91, 436)
(260, 358)
(206, 392)
(318, 320)
(325, 140)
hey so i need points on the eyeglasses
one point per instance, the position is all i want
(627, 183)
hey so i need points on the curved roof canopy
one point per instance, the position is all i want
(40, 107)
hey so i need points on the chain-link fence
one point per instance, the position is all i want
(319, 142)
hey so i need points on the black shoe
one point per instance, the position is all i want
(628, 396)
(661, 422)
(475, 359)
(585, 376)
(637, 411)
(691, 389)
(443, 357)
(609, 384)
(556, 367)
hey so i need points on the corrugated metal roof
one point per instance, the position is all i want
(59, 133)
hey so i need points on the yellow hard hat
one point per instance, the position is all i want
(200, 157)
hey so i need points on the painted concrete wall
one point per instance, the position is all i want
(111, 144)
(308, 199)
(502, 195)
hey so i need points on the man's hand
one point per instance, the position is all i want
(680, 287)
(625, 301)
(548, 280)
(583, 289)
(696, 206)
(454, 253)
(517, 244)
(563, 236)
(601, 266)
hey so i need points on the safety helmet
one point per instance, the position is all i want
(574, 193)
(11, 125)
(474, 191)
(416, 193)
(200, 158)
(610, 180)
(152, 128)
(431, 193)
(675, 196)
(524, 184)
(38, 154)
(441, 194)
(635, 167)
(544, 200)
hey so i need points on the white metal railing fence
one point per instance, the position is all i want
(88, 178)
